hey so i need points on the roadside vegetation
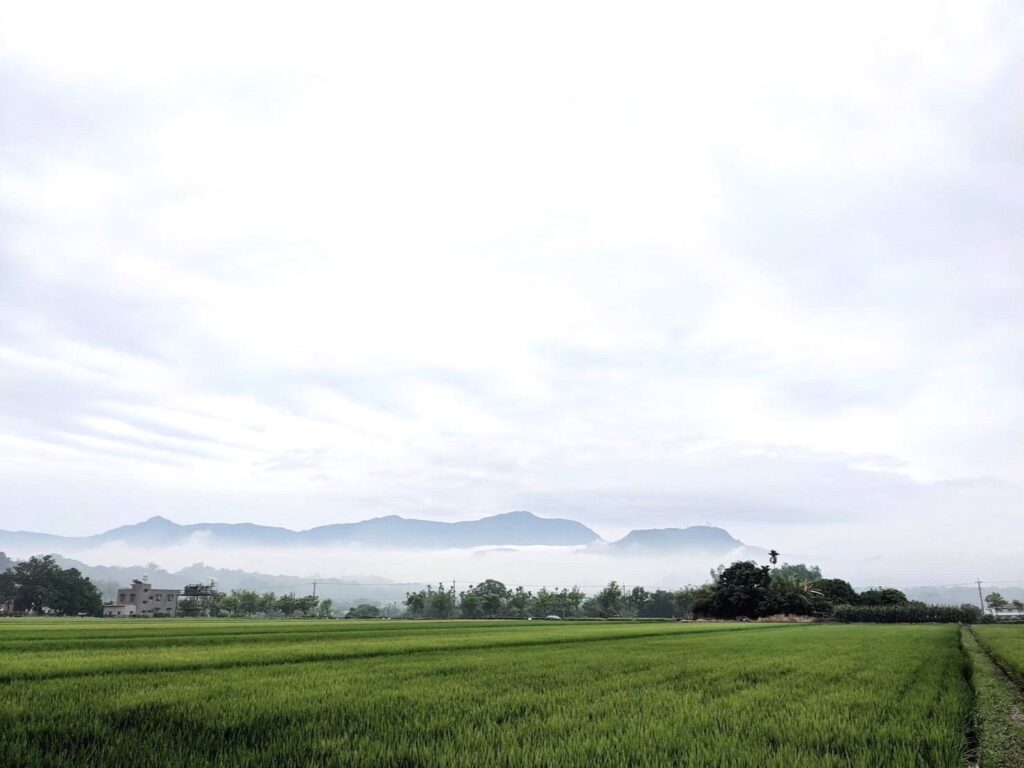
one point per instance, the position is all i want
(999, 707)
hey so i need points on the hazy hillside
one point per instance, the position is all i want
(511, 528)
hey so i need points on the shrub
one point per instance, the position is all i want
(914, 613)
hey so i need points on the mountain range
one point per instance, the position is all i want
(393, 532)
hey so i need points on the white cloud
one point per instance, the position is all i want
(445, 261)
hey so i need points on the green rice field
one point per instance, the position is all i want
(1005, 643)
(396, 693)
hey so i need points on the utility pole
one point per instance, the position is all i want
(314, 589)
(981, 600)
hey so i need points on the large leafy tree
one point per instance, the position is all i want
(740, 590)
(609, 600)
(544, 602)
(441, 604)
(798, 571)
(518, 606)
(637, 601)
(995, 601)
(789, 594)
(835, 592)
(39, 584)
(488, 598)
(882, 596)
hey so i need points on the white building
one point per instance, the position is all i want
(118, 609)
(141, 599)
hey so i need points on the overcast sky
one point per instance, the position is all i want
(640, 265)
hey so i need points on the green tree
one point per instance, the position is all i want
(740, 590)
(488, 598)
(637, 601)
(661, 605)
(441, 604)
(995, 602)
(833, 592)
(469, 605)
(518, 604)
(416, 603)
(686, 600)
(544, 603)
(307, 604)
(40, 584)
(267, 603)
(1017, 605)
(229, 603)
(248, 602)
(326, 608)
(609, 600)
(882, 596)
(363, 611)
(287, 604)
(798, 571)
(788, 593)
(8, 588)
(569, 602)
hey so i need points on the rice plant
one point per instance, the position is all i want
(482, 694)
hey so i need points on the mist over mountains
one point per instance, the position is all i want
(516, 547)
(511, 529)
(380, 559)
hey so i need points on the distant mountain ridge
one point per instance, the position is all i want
(697, 539)
(510, 528)
(394, 532)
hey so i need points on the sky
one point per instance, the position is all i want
(642, 266)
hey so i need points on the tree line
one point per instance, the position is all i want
(248, 603)
(743, 590)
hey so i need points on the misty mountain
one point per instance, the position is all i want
(694, 540)
(511, 528)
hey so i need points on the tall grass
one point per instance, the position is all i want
(489, 695)
(1006, 643)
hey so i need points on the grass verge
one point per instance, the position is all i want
(999, 711)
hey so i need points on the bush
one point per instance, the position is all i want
(915, 613)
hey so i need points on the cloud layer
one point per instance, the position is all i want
(749, 266)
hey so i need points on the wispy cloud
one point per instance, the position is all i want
(632, 266)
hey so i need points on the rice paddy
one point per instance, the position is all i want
(393, 693)
(1006, 644)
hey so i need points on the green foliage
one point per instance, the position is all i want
(995, 601)
(430, 603)
(609, 601)
(912, 613)
(833, 592)
(363, 611)
(1005, 643)
(474, 694)
(740, 590)
(997, 715)
(487, 599)
(39, 585)
(882, 596)
(798, 571)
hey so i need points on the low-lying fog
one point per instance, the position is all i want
(535, 565)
